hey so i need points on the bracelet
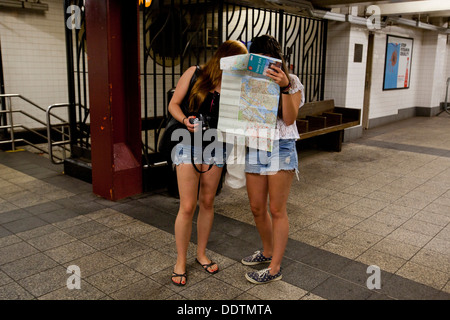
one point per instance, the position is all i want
(182, 121)
(285, 89)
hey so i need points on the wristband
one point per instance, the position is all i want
(285, 89)
(182, 121)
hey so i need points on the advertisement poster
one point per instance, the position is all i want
(397, 67)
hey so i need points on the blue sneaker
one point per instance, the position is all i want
(262, 276)
(255, 259)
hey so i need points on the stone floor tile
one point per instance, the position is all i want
(16, 251)
(304, 276)
(422, 274)
(439, 245)
(431, 217)
(86, 292)
(339, 289)
(396, 248)
(105, 239)
(85, 229)
(13, 215)
(93, 263)
(403, 234)
(432, 259)
(70, 251)
(422, 227)
(210, 288)
(328, 228)
(311, 237)
(13, 291)
(4, 278)
(127, 250)
(344, 248)
(135, 229)
(278, 290)
(235, 276)
(151, 262)
(359, 237)
(27, 266)
(46, 281)
(372, 226)
(113, 279)
(24, 224)
(51, 240)
(385, 261)
(144, 289)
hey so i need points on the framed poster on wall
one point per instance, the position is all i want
(397, 64)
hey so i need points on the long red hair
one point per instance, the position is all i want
(211, 75)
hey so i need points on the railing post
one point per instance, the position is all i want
(11, 124)
(2, 91)
(70, 77)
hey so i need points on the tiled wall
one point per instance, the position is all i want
(356, 74)
(345, 78)
(336, 72)
(34, 57)
(385, 103)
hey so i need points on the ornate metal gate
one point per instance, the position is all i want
(177, 34)
(78, 97)
(183, 33)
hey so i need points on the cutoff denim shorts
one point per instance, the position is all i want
(215, 156)
(282, 157)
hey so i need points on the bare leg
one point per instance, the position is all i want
(279, 187)
(188, 180)
(208, 187)
(257, 189)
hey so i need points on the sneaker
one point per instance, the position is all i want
(262, 276)
(255, 259)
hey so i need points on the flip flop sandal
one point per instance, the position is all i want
(207, 266)
(180, 284)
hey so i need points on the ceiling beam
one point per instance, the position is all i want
(346, 3)
(415, 7)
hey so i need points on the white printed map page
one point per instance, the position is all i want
(248, 105)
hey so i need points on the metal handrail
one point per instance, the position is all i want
(52, 144)
(16, 95)
(11, 126)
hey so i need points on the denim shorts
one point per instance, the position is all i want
(282, 157)
(216, 156)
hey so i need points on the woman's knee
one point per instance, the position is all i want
(206, 202)
(187, 209)
(258, 209)
(277, 211)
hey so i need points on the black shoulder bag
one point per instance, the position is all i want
(166, 144)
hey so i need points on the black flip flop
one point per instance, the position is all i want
(208, 265)
(174, 275)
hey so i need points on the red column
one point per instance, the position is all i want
(112, 33)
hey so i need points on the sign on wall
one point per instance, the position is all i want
(397, 65)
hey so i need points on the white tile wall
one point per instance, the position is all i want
(34, 58)
(356, 70)
(336, 72)
(384, 103)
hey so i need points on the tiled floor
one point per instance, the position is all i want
(384, 201)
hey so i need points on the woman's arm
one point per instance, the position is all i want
(290, 102)
(178, 96)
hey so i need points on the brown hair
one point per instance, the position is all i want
(211, 75)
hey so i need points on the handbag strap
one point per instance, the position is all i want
(197, 169)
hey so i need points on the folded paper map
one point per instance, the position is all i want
(248, 101)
